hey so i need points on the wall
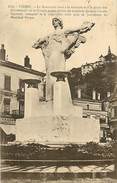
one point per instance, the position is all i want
(16, 75)
(92, 105)
(58, 129)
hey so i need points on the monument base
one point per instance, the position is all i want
(57, 129)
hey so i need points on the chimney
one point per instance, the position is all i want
(27, 62)
(2, 52)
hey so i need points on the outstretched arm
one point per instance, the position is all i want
(82, 29)
(39, 43)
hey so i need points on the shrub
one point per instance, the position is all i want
(72, 151)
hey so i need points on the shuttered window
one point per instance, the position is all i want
(6, 106)
(21, 107)
(115, 112)
(7, 83)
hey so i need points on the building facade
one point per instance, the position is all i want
(88, 67)
(12, 88)
(95, 99)
(94, 109)
(113, 110)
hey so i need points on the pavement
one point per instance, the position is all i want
(57, 169)
(57, 174)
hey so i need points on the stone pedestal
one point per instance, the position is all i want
(56, 122)
(31, 102)
(62, 102)
(54, 129)
(31, 98)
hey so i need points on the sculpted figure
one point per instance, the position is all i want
(58, 47)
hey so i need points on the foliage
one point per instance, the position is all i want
(10, 137)
(114, 135)
(101, 78)
(72, 151)
(73, 79)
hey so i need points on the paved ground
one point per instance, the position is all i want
(42, 174)
(87, 180)
(57, 169)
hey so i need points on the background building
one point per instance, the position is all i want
(12, 90)
(92, 87)
(113, 111)
(88, 67)
(93, 109)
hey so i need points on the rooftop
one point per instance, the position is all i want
(21, 68)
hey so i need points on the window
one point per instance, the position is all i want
(21, 85)
(7, 83)
(21, 108)
(44, 90)
(87, 106)
(115, 112)
(102, 120)
(6, 106)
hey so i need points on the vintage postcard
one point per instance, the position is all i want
(58, 91)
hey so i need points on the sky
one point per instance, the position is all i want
(18, 36)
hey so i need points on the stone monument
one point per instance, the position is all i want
(56, 120)
(58, 47)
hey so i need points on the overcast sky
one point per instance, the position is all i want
(19, 35)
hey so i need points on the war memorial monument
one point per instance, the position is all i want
(56, 120)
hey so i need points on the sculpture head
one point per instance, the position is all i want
(57, 22)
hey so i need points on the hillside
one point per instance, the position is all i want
(102, 79)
